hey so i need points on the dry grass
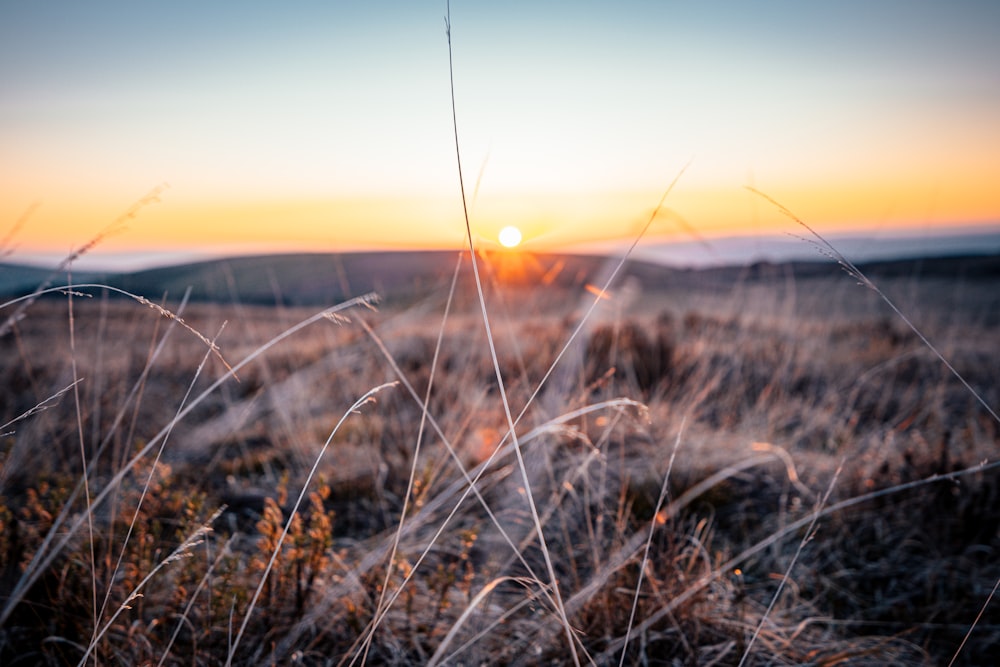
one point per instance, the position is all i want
(752, 405)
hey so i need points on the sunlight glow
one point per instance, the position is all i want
(510, 236)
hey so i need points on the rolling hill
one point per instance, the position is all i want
(323, 279)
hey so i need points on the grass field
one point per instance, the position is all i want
(767, 469)
(498, 457)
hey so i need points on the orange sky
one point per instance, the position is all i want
(321, 127)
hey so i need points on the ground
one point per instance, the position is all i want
(767, 464)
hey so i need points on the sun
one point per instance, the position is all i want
(510, 236)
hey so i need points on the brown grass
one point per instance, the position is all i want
(757, 395)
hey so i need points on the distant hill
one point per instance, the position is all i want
(294, 279)
(322, 279)
(20, 279)
(310, 279)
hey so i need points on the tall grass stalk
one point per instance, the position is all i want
(7, 245)
(791, 565)
(827, 249)
(483, 593)
(421, 429)
(781, 533)
(628, 552)
(444, 498)
(83, 484)
(74, 290)
(33, 567)
(41, 406)
(44, 557)
(83, 460)
(182, 551)
(150, 476)
(511, 422)
(471, 482)
(529, 495)
(223, 553)
(975, 622)
(664, 492)
(368, 397)
(503, 618)
(116, 227)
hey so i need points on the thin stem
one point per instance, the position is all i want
(366, 398)
(553, 579)
(664, 492)
(83, 466)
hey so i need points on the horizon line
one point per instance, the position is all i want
(734, 249)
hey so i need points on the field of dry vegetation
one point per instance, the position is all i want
(769, 470)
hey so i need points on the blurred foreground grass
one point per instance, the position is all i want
(791, 473)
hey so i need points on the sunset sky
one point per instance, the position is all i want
(327, 125)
